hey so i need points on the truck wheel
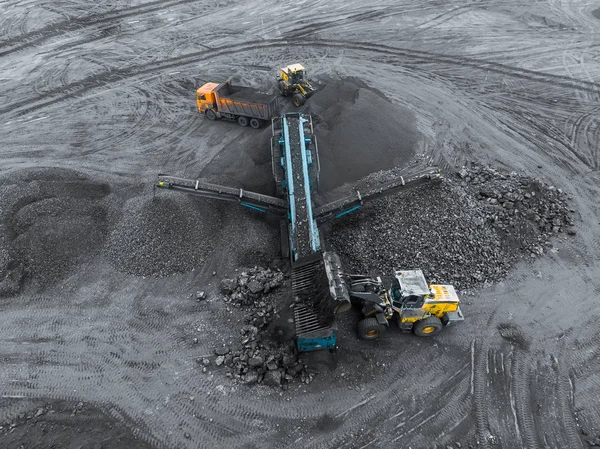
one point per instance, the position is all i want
(242, 121)
(369, 329)
(282, 90)
(428, 327)
(210, 114)
(255, 123)
(299, 100)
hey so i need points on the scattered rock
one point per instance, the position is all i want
(251, 378)
(200, 296)
(272, 378)
(228, 285)
(220, 360)
(147, 238)
(222, 350)
(255, 287)
(259, 354)
(255, 362)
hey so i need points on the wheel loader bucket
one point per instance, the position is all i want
(337, 284)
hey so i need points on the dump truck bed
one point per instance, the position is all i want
(245, 101)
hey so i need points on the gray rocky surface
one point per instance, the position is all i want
(260, 355)
(468, 231)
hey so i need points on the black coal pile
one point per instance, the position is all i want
(163, 235)
(264, 354)
(51, 221)
(468, 230)
(359, 131)
(249, 286)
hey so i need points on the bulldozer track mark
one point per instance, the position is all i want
(81, 87)
(70, 24)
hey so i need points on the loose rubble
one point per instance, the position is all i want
(468, 230)
(262, 356)
(163, 235)
(51, 221)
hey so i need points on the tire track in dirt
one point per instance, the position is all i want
(379, 396)
(411, 420)
(521, 379)
(457, 406)
(566, 402)
(521, 128)
(479, 356)
(480, 352)
(37, 37)
(81, 87)
(336, 22)
(447, 16)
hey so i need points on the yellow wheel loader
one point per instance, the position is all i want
(292, 80)
(416, 307)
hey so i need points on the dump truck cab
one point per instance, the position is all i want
(205, 97)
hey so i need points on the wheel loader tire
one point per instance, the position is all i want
(299, 100)
(242, 121)
(428, 327)
(282, 89)
(255, 123)
(210, 114)
(369, 329)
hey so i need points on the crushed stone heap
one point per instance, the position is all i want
(52, 220)
(263, 355)
(468, 230)
(163, 235)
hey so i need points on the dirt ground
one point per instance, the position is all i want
(101, 331)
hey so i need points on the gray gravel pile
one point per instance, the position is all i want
(51, 221)
(263, 354)
(163, 235)
(467, 231)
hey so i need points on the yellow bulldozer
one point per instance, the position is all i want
(292, 80)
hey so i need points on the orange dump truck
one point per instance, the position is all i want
(241, 104)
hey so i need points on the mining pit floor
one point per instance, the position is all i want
(101, 331)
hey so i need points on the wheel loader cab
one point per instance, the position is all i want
(409, 289)
(298, 77)
(205, 97)
(293, 74)
(400, 301)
